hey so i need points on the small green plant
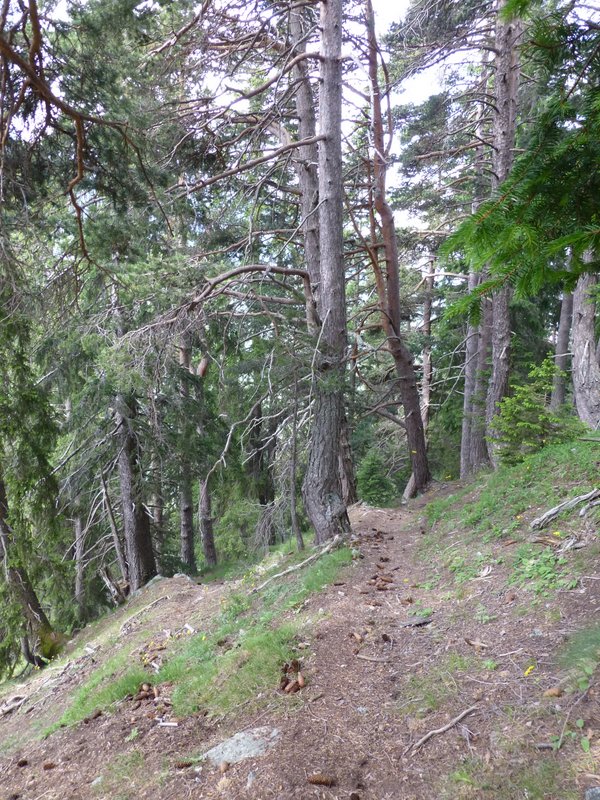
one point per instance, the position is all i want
(482, 615)
(134, 733)
(490, 664)
(374, 485)
(577, 735)
(581, 657)
(540, 570)
(524, 422)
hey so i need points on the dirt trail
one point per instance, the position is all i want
(377, 683)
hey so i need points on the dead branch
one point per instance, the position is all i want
(332, 544)
(375, 659)
(443, 729)
(541, 522)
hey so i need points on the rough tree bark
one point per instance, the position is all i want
(388, 287)
(206, 524)
(506, 85)
(139, 553)
(561, 353)
(321, 489)
(308, 181)
(186, 502)
(586, 372)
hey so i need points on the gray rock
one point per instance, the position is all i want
(593, 793)
(248, 744)
(250, 779)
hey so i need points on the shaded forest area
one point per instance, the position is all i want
(215, 332)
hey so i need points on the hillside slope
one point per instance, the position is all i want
(452, 605)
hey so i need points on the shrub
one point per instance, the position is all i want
(524, 423)
(374, 485)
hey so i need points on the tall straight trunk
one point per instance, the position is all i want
(561, 354)
(206, 524)
(506, 85)
(37, 628)
(321, 489)
(139, 552)
(479, 450)
(157, 514)
(470, 450)
(186, 502)
(426, 328)
(79, 533)
(308, 181)
(586, 372)
(306, 164)
(388, 288)
(293, 471)
(471, 350)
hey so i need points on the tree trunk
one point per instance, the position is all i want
(79, 533)
(471, 350)
(479, 451)
(586, 372)
(157, 506)
(206, 525)
(117, 543)
(306, 163)
(322, 491)
(37, 627)
(506, 85)
(186, 502)
(293, 456)
(141, 565)
(388, 289)
(562, 355)
(346, 466)
(426, 328)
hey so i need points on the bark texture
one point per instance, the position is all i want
(139, 552)
(206, 525)
(321, 489)
(562, 355)
(506, 86)
(586, 372)
(186, 502)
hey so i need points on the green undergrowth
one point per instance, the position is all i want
(580, 656)
(498, 506)
(234, 661)
(475, 779)
(502, 498)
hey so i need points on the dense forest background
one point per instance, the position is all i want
(242, 284)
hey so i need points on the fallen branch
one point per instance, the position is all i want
(443, 729)
(333, 543)
(11, 705)
(376, 659)
(542, 521)
(143, 611)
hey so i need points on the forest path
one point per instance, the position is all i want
(377, 682)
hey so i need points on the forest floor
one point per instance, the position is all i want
(428, 616)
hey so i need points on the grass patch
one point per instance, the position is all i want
(475, 779)
(504, 496)
(217, 671)
(581, 656)
(109, 683)
(428, 691)
(208, 679)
